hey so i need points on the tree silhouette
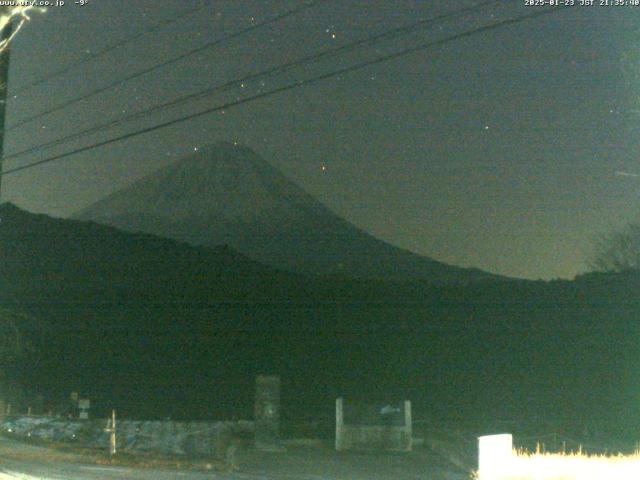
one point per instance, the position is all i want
(619, 251)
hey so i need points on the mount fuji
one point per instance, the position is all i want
(227, 194)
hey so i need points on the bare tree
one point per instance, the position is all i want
(15, 346)
(618, 251)
(13, 343)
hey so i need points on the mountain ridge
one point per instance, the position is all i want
(227, 194)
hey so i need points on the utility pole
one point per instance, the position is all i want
(4, 85)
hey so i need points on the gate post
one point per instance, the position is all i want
(267, 412)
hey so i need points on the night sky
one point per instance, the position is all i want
(509, 150)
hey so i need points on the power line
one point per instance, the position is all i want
(108, 49)
(291, 86)
(171, 61)
(273, 70)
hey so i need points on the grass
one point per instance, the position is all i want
(567, 466)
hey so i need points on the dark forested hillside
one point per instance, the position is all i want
(159, 328)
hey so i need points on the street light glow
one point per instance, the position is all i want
(11, 14)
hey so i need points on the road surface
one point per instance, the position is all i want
(29, 470)
(29, 462)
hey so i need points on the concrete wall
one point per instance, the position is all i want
(373, 437)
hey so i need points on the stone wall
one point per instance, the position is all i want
(194, 439)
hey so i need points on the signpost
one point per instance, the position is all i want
(83, 408)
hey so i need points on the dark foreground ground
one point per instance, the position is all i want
(302, 461)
